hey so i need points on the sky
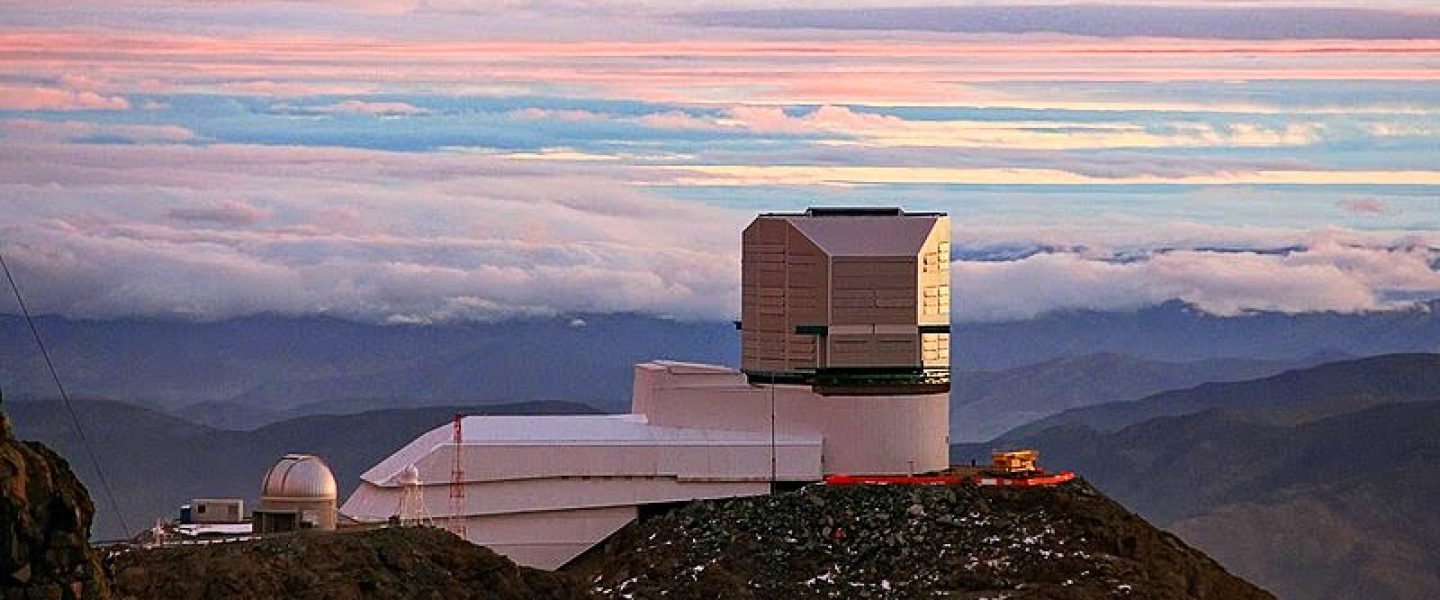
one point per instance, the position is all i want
(418, 161)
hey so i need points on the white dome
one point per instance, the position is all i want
(299, 476)
(409, 476)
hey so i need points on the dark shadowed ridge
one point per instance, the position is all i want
(1242, 23)
(1318, 483)
(985, 404)
(253, 370)
(1336, 509)
(1293, 396)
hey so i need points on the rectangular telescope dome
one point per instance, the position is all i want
(849, 300)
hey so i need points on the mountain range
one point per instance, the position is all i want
(246, 372)
(985, 404)
(1291, 397)
(257, 370)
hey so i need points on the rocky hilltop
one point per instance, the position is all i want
(1068, 541)
(45, 516)
(819, 542)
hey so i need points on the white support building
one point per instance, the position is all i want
(544, 489)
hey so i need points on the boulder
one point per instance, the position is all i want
(45, 516)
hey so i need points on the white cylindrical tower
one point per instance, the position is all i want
(411, 509)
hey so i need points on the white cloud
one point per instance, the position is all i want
(866, 129)
(355, 107)
(1330, 276)
(554, 114)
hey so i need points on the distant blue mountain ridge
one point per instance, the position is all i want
(249, 371)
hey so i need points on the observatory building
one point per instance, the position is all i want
(299, 492)
(845, 370)
(849, 300)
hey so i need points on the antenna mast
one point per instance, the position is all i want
(457, 485)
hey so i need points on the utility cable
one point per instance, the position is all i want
(74, 417)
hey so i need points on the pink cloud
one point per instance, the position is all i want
(677, 119)
(837, 71)
(1366, 206)
(230, 213)
(21, 97)
(53, 131)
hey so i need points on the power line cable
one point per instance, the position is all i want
(74, 417)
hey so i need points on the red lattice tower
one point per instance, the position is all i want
(456, 524)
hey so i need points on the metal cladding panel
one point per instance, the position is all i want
(874, 350)
(737, 461)
(550, 494)
(762, 294)
(501, 448)
(893, 434)
(895, 235)
(871, 290)
(862, 434)
(547, 540)
(806, 301)
(784, 279)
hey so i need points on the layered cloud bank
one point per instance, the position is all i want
(143, 231)
(433, 161)
(1329, 276)
(139, 231)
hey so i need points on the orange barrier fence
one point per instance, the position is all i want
(989, 480)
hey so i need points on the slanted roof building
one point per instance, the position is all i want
(866, 396)
(850, 300)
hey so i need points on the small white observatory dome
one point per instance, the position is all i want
(299, 493)
(299, 477)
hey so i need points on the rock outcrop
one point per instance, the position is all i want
(1067, 541)
(45, 516)
(395, 563)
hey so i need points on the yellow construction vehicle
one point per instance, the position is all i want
(1013, 461)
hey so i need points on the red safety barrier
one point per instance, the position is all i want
(1057, 478)
(894, 480)
(991, 480)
